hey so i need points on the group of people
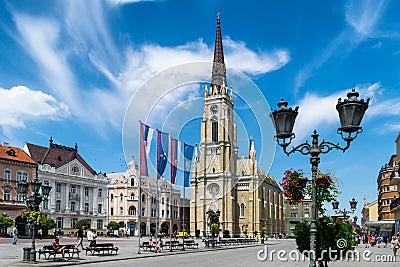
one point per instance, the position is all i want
(377, 240)
(91, 237)
(157, 246)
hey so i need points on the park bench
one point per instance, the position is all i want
(146, 246)
(48, 251)
(172, 244)
(102, 248)
(191, 244)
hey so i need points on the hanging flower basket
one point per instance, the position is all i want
(293, 184)
(323, 180)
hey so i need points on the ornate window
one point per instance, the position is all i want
(132, 210)
(7, 176)
(242, 208)
(132, 182)
(7, 194)
(58, 205)
(214, 130)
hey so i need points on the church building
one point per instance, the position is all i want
(226, 189)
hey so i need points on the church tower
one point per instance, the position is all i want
(213, 189)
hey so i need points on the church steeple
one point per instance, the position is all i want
(218, 69)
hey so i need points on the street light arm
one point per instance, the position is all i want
(327, 146)
(302, 148)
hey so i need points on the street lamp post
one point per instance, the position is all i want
(33, 203)
(351, 112)
(353, 206)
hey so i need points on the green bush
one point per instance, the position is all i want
(328, 234)
(5, 221)
(82, 223)
(113, 225)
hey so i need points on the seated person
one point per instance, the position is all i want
(57, 247)
(159, 246)
(151, 243)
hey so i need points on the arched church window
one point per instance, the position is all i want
(121, 196)
(214, 131)
(213, 170)
(132, 182)
(242, 210)
(242, 173)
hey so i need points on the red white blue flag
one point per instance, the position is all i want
(162, 152)
(146, 134)
(174, 159)
(188, 156)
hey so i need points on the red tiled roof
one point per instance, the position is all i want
(18, 155)
(56, 155)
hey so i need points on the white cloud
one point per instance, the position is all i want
(81, 37)
(319, 112)
(316, 112)
(362, 16)
(21, 104)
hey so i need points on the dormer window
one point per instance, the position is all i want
(59, 158)
(11, 152)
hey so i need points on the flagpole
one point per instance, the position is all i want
(170, 218)
(139, 181)
(183, 217)
(183, 202)
(139, 210)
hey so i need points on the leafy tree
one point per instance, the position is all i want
(5, 221)
(113, 225)
(49, 222)
(35, 216)
(82, 223)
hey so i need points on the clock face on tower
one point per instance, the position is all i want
(214, 109)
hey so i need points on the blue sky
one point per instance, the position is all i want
(69, 69)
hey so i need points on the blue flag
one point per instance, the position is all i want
(188, 156)
(162, 152)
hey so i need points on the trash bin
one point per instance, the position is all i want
(27, 254)
(33, 255)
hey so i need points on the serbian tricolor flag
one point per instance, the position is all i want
(188, 156)
(174, 159)
(162, 152)
(146, 134)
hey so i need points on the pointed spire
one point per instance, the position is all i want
(218, 69)
(196, 155)
(252, 151)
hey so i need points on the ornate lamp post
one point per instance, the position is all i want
(353, 206)
(33, 203)
(351, 112)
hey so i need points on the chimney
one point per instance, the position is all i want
(6, 144)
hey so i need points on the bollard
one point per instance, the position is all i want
(27, 254)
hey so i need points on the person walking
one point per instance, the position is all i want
(15, 235)
(394, 244)
(90, 237)
(80, 238)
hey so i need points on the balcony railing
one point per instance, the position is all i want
(395, 203)
(73, 195)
